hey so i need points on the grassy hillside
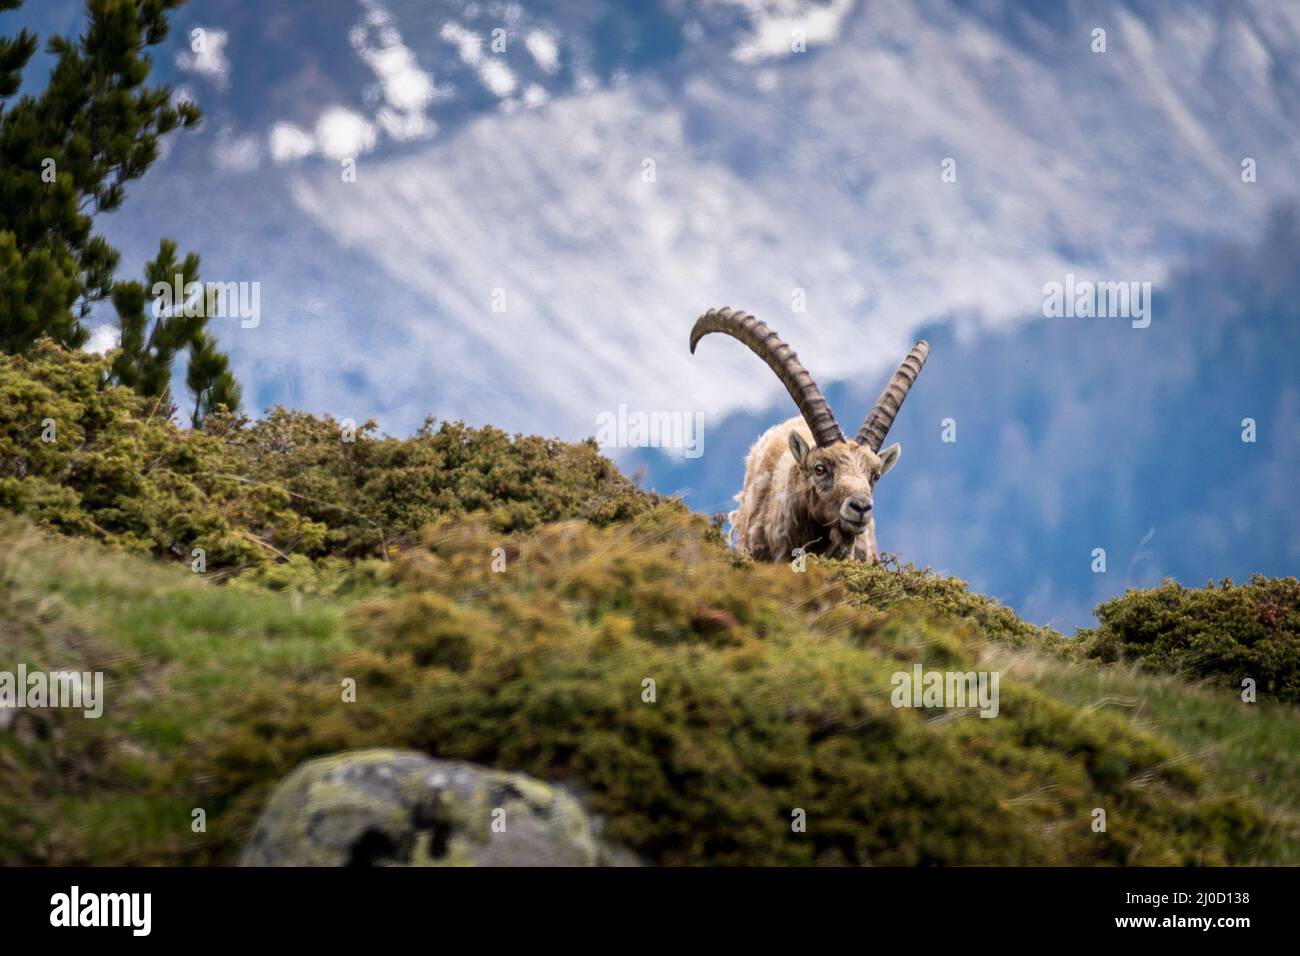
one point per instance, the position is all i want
(505, 600)
(772, 693)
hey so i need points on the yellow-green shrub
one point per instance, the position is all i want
(1225, 632)
(252, 493)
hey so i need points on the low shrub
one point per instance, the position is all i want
(1223, 632)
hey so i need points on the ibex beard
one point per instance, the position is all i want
(807, 488)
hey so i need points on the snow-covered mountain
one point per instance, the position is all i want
(517, 176)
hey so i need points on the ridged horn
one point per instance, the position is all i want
(768, 346)
(881, 418)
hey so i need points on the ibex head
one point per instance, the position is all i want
(842, 478)
(840, 474)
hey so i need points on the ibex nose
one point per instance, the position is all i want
(859, 505)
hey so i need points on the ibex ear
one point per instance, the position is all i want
(889, 458)
(798, 447)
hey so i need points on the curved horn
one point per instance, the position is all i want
(878, 422)
(768, 346)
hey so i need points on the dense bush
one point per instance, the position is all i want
(1225, 632)
(85, 457)
(89, 458)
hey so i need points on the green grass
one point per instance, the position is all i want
(1247, 748)
(175, 652)
(772, 693)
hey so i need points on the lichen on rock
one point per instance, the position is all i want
(402, 808)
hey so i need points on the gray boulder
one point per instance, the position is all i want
(402, 808)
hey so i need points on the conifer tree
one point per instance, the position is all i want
(66, 155)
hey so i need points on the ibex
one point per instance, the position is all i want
(806, 486)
